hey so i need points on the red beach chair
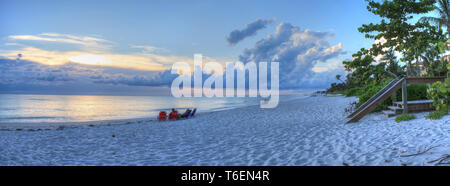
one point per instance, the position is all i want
(162, 116)
(173, 115)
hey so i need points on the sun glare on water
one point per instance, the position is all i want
(90, 59)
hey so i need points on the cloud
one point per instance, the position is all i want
(307, 60)
(12, 44)
(87, 42)
(250, 29)
(31, 68)
(53, 77)
(147, 48)
(380, 57)
(322, 79)
(72, 78)
(138, 61)
(164, 78)
(298, 52)
(26, 72)
(93, 51)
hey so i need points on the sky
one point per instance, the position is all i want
(108, 45)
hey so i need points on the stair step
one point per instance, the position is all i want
(396, 104)
(389, 113)
(396, 109)
(399, 103)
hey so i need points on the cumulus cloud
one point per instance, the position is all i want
(27, 72)
(250, 29)
(298, 51)
(73, 78)
(34, 68)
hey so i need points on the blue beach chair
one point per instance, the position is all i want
(186, 114)
(193, 112)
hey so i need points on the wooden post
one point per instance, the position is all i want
(405, 97)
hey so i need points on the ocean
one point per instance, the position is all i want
(28, 108)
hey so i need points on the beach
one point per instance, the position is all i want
(306, 131)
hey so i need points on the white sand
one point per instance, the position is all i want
(307, 131)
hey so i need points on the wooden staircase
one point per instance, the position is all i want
(413, 106)
(376, 100)
(397, 107)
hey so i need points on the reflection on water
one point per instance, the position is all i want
(20, 108)
(62, 108)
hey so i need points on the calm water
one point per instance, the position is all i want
(22, 108)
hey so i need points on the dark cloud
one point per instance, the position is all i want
(297, 51)
(27, 72)
(161, 79)
(53, 77)
(72, 78)
(250, 29)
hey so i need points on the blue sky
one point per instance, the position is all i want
(182, 27)
(134, 37)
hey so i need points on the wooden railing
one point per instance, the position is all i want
(376, 100)
(372, 98)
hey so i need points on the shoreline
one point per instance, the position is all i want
(37, 126)
(308, 131)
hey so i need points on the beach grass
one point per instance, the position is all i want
(404, 117)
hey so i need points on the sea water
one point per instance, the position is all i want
(28, 108)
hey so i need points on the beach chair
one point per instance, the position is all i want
(162, 116)
(193, 112)
(173, 115)
(186, 114)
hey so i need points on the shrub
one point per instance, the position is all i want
(415, 92)
(405, 117)
(353, 92)
(369, 90)
(438, 114)
(440, 94)
(337, 88)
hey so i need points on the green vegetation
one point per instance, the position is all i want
(370, 90)
(440, 94)
(438, 114)
(415, 92)
(420, 44)
(443, 12)
(354, 91)
(404, 117)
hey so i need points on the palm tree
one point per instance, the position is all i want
(443, 10)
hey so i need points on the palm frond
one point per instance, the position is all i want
(434, 20)
(443, 8)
